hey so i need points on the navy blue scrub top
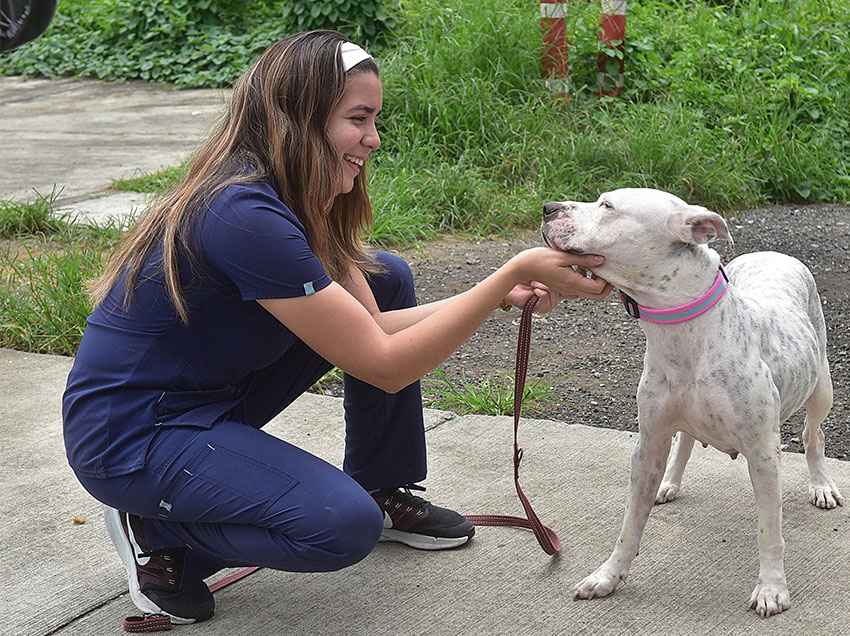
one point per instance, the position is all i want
(140, 368)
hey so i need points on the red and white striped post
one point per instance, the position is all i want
(555, 63)
(612, 35)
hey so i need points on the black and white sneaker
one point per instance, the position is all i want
(418, 523)
(155, 578)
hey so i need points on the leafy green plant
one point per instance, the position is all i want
(489, 397)
(184, 42)
(365, 21)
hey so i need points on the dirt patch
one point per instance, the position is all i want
(591, 353)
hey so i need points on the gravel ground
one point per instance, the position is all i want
(591, 353)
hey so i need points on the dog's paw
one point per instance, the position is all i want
(770, 598)
(600, 583)
(825, 496)
(667, 492)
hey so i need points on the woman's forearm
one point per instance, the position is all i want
(444, 326)
(398, 319)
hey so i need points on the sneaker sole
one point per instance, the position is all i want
(422, 541)
(125, 551)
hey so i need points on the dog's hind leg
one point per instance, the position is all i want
(671, 483)
(823, 492)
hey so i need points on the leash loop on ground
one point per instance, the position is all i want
(546, 537)
(146, 624)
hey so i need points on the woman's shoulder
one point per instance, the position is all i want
(250, 238)
(259, 188)
(247, 195)
(253, 207)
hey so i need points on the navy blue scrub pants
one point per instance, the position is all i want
(236, 495)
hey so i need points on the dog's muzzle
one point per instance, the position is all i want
(550, 211)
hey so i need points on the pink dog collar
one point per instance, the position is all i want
(681, 313)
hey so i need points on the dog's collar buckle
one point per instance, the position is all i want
(632, 308)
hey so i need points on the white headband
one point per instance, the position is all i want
(352, 55)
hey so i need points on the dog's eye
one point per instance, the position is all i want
(606, 204)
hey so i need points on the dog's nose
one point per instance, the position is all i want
(550, 210)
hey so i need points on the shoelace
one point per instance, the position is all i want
(159, 556)
(400, 498)
(413, 499)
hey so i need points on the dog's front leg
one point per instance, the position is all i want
(648, 460)
(770, 595)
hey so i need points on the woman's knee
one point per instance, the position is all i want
(357, 526)
(393, 288)
(337, 534)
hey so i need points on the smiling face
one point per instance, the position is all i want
(352, 125)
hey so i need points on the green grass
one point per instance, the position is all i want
(331, 379)
(487, 397)
(155, 182)
(21, 218)
(45, 260)
(43, 306)
(729, 105)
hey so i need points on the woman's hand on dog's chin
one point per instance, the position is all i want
(552, 271)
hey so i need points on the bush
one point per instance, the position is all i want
(364, 21)
(189, 43)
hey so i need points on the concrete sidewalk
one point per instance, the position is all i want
(78, 135)
(697, 566)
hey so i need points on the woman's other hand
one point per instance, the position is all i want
(547, 299)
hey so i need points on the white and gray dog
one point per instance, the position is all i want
(725, 363)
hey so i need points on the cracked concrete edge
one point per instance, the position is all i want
(92, 609)
(434, 418)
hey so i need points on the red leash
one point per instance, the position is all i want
(231, 578)
(546, 537)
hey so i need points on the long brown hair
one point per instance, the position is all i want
(275, 129)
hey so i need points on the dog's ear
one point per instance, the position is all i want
(698, 225)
